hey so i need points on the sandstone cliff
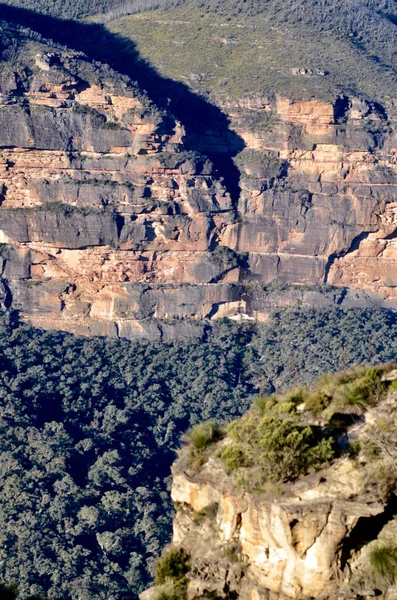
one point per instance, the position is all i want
(108, 224)
(310, 536)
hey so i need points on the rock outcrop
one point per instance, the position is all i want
(317, 200)
(288, 547)
(307, 537)
(108, 223)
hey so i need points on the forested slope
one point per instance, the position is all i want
(89, 428)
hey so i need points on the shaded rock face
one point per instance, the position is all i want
(294, 545)
(107, 222)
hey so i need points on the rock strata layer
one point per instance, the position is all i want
(107, 223)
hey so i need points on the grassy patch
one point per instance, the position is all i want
(202, 435)
(383, 564)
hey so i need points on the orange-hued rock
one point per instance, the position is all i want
(107, 221)
(284, 544)
(315, 116)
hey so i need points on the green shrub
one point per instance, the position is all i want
(172, 590)
(360, 389)
(225, 256)
(383, 564)
(352, 397)
(317, 402)
(85, 109)
(111, 125)
(233, 458)
(349, 375)
(173, 564)
(208, 512)
(203, 435)
(276, 447)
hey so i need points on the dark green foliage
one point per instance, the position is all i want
(8, 593)
(84, 109)
(226, 257)
(87, 435)
(111, 125)
(11, 593)
(383, 564)
(299, 345)
(173, 564)
(88, 429)
(171, 569)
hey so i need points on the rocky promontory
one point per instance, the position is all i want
(297, 501)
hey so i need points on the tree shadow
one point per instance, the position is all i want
(207, 127)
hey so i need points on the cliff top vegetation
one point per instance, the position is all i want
(297, 49)
(284, 436)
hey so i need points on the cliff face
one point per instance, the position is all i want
(107, 222)
(98, 198)
(310, 536)
(317, 200)
(288, 547)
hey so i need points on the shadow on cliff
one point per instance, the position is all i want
(207, 127)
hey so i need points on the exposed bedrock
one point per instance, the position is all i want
(309, 539)
(107, 221)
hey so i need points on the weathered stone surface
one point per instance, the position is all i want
(287, 545)
(98, 193)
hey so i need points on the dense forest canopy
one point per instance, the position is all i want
(89, 428)
(331, 8)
